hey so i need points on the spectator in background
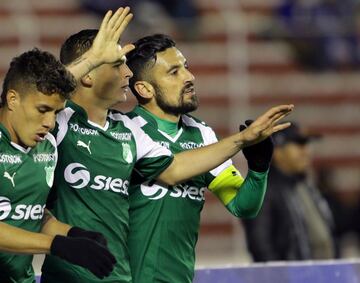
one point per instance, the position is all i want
(322, 32)
(295, 222)
(151, 14)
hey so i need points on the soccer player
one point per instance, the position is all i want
(164, 220)
(100, 148)
(34, 90)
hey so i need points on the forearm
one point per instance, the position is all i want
(249, 199)
(191, 163)
(17, 240)
(83, 65)
(51, 226)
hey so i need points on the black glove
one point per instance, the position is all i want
(77, 232)
(258, 155)
(84, 252)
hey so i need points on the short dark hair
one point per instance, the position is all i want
(76, 45)
(144, 56)
(40, 69)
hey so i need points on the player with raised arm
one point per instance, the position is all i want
(34, 90)
(164, 220)
(100, 148)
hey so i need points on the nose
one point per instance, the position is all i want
(49, 120)
(189, 76)
(128, 73)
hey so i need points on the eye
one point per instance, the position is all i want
(174, 72)
(42, 110)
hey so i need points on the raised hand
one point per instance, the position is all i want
(258, 155)
(266, 124)
(106, 48)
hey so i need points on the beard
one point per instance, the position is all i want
(181, 107)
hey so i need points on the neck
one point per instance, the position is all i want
(6, 121)
(155, 110)
(95, 108)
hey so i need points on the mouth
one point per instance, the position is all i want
(126, 88)
(189, 90)
(39, 137)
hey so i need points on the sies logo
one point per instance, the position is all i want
(155, 192)
(5, 207)
(21, 211)
(78, 177)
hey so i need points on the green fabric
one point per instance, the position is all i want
(26, 177)
(250, 196)
(171, 128)
(92, 182)
(164, 220)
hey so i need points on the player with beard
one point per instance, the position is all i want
(164, 220)
(100, 148)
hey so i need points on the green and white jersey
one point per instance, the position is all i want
(26, 178)
(92, 181)
(164, 220)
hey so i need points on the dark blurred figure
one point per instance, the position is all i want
(321, 32)
(184, 13)
(295, 222)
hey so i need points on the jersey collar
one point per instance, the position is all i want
(4, 134)
(82, 112)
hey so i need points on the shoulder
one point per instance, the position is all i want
(192, 121)
(206, 131)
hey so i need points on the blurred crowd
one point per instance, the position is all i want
(323, 33)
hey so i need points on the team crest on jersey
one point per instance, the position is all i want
(49, 175)
(127, 154)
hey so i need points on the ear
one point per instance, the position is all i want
(12, 99)
(144, 89)
(86, 81)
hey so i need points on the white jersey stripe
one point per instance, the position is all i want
(145, 146)
(209, 137)
(62, 120)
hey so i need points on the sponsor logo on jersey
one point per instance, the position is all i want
(10, 177)
(83, 131)
(121, 136)
(156, 192)
(21, 211)
(44, 157)
(9, 158)
(78, 177)
(190, 145)
(82, 144)
(127, 154)
(164, 144)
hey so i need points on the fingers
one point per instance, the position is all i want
(281, 127)
(114, 20)
(278, 109)
(126, 49)
(105, 20)
(122, 26)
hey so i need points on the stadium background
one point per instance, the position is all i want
(242, 68)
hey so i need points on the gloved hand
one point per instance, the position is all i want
(84, 252)
(258, 155)
(77, 232)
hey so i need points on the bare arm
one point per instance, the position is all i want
(105, 48)
(51, 226)
(17, 240)
(190, 163)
